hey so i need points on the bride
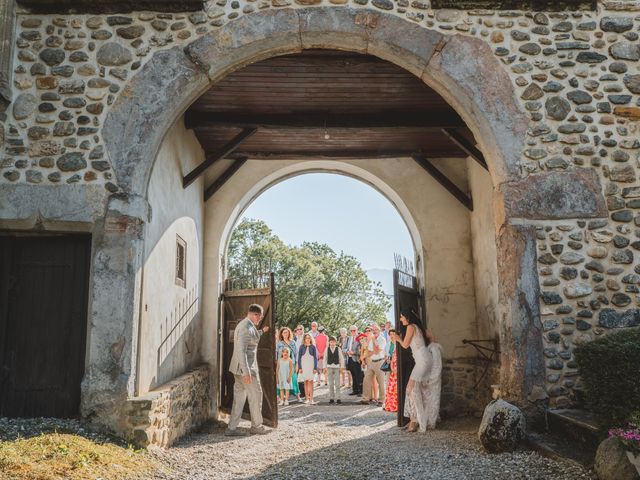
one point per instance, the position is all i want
(422, 401)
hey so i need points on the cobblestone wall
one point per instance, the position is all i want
(466, 385)
(163, 415)
(575, 73)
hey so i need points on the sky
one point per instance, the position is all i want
(345, 213)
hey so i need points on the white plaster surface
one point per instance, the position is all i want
(174, 211)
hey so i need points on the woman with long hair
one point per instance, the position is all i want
(308, 366)
(416, 395)
(391, 397)
(286, 340)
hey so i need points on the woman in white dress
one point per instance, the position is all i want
(418, 403)
(308, 367)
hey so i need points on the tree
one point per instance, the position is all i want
(312, 281)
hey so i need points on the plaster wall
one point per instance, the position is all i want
(170, 323)
(442, 237)
(484, 250)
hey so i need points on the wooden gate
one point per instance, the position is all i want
(43, 323)
(407, 296)
(235, 304)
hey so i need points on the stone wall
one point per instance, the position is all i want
(574, 73)
(466, 385)
(163, 415)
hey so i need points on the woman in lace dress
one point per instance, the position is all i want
(419, 404)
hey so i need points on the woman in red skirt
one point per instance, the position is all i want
(391, 397)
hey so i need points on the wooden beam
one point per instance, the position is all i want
(327, 155)
(234, 143)
(442, 179)
(203, 120)
(222, 179)
(467, 146)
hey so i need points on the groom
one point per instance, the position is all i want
(244, 366)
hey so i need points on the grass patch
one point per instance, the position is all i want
(52, 456)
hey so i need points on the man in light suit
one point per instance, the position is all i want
(244, 366)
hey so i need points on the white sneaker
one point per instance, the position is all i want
(306, 401)
(286, 403)
(313, 402)
(280, 402)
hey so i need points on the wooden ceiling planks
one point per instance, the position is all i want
(324, 103)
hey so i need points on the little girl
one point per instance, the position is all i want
(284, 372)
(308, 366)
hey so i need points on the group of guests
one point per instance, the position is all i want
(366, 362)
(303, 360)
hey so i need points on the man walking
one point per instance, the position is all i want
(244, 366)
(377, 346)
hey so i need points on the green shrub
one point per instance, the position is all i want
(610, 371)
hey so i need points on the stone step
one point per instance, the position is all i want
(558, 447)
(578, 426)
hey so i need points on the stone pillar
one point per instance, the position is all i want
(115, 298)
(7, 39)
(521, 204)
(522, 362)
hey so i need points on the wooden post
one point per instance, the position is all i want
(7, 31)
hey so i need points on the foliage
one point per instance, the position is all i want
(629, 436)
(610, 369)
(313, 283)
(54, 455)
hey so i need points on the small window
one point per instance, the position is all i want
(181, 262)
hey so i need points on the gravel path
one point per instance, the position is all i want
(348, 442)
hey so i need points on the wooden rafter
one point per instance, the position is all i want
(328, 155)
(234, 143)
(442, 179)
(205, 120)
(222, 179)
(467, 146)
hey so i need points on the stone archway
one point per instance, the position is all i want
(463, 70)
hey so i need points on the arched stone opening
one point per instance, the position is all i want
(461, 69)
(478, 88)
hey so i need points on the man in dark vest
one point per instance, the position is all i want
(334, 368)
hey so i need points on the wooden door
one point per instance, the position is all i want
(235, 304)
(407, 296)
(43, 323)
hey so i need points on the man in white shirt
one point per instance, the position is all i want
(314, 331)
(378, 348)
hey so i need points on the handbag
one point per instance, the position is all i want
(385, 367)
